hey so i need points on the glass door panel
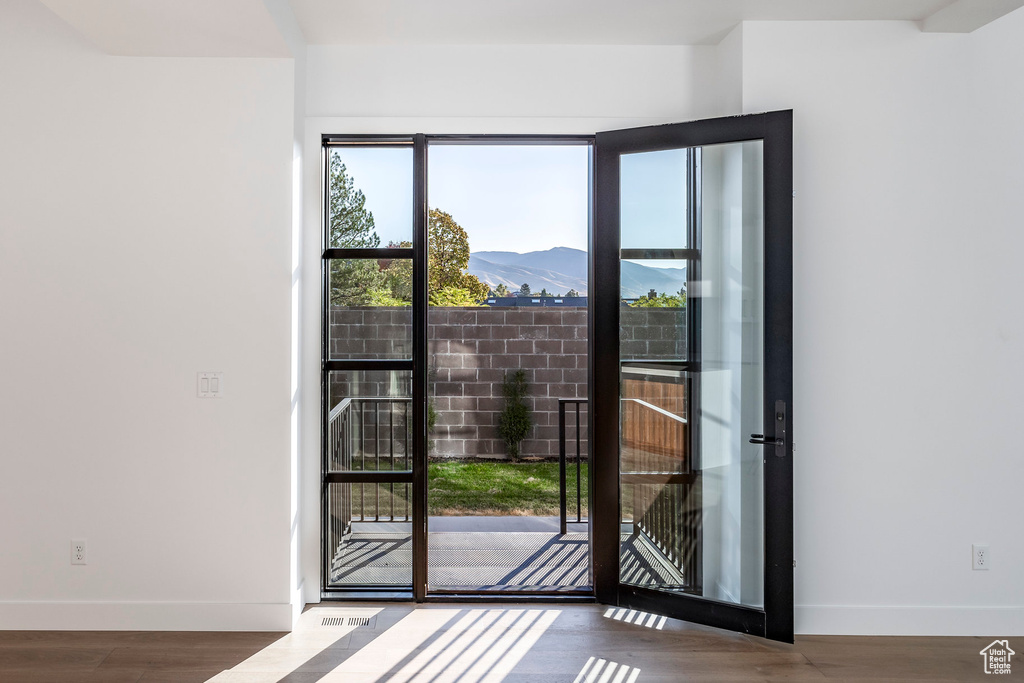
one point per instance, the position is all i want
(732, 371)
(654, 207)
(691, 484)
(702, 375)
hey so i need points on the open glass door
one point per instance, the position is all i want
(697, 499)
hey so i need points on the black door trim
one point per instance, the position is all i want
(775, 129)
(418, 364)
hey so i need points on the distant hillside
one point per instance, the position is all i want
(560, 269)
(638, 280)
(513, 277)
(570, 262)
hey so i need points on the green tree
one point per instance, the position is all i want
(501, 290)
(397, 289)
(453, 296)
(572, 293)
(448, 259)
(350, 225)
(514, 421)
(544, 292)
(524, 290)
(655, 300)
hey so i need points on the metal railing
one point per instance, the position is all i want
(373, 434)
(368, 435)
(667, 510)
(562, 464)
(672, 523)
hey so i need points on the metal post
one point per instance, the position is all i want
(579, 467)
(561, 467)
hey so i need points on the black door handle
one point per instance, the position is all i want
(760, 440)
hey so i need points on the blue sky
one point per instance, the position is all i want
(521, 197)
(653, 200)
(513, 197)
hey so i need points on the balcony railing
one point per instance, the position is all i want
(563, 450)
(368, 435)
(665, 490)
(374, 434)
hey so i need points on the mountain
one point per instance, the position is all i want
(560, 269)
(638, 280)
(513, 277)
(570, 262)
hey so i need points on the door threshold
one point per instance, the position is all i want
(582, 596)
(507, 597)
(371, 595)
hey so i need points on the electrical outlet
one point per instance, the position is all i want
(980, 556)
(78, 551)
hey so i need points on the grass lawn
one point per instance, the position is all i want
(474, 487)
(500, 488)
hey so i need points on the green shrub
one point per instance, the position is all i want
(514, 422)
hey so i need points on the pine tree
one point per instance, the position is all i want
(350, 225)
(514, 421)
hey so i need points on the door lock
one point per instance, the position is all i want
(779, 440)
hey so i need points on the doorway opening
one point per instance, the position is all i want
(493, 282)
(509, 413)
(507, 485)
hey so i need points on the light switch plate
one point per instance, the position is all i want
(209, 384)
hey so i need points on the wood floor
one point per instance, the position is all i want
(361, 643)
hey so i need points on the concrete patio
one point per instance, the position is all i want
(513, 554)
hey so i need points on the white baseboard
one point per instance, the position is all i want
(312, 596)
(298, 602)
(882, 620)
(144, 616)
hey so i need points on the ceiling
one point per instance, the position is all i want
(175, 28)
(255, 28)
(604, 22)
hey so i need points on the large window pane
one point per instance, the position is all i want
(732, 376)
(370, 426)
(371, 309)
(652, 322)
(369, 535)
(653, 199)
(654, 426)
(370, 196)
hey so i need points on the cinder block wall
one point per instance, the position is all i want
(471, 349)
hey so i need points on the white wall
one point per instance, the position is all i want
(908, 333)
(303, 410)
(144, 212)
(526, 81)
